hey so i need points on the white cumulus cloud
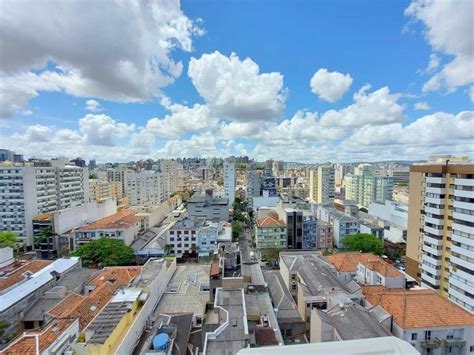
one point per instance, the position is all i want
(124, 56)
(93, 106)
(236, 89)
(422, 106)
(103, 130)
(449, 26)
(330, 86)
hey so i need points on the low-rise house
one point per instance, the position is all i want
(324, 234)
(345, 321)
(314, 283)
(432, 324)
(270, 232)
(21, 287)
(346, 263)
(292, 325)
(123, 225)
(379, 272)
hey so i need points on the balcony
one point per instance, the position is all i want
(432, 240)
(430, 280)
(464, 240)
(464, 182)
(430, 269)
(463, 216)
(463, 251)
(435, 190)
(463, 285)
(435, 221)
(461, 262)
(462, 228)
(432, 260)
(435, 200)
(431, 250)
(464, 193)
(433, 210)
(435, 180)
(466, 299)
(434, 231)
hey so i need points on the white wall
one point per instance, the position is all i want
(77, 216)
(261, 201)
(6, 256)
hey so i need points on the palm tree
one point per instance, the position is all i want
(43, 235)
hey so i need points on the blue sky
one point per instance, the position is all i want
(419, 101)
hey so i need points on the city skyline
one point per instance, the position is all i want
(310, 83)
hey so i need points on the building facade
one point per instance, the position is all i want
(364, 187)
(229, 179)
(322, 185)
(440, 244)
(33, 189)
(270, 232)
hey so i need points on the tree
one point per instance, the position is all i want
(363, 242)
(7, 239)
(220, 182)
(43, 235)
(236, 230)
(105, 252)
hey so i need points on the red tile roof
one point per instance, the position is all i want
(383, 268)
(271, 220)
(347, 262)
(420, 308)
(122, 219)
(16, 275)
(214, 269)
(26, 344)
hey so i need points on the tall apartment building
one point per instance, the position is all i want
(364, 187)
(440, 243)
(254, 186)
(321, 184)
(8, 155)
(229, 179)
(340, 170)
(172, 173)
(31, 189)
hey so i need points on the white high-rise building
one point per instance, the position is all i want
(229, 179)
(34, 188)
(322, 185)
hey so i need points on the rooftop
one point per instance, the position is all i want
(271, 220)
(285, 306)
(347, 262)
(16, 272)
(120, 220)
(383, 268)
(421, 308)
(184, 293)
(35, 280)
(88, 306)
(385, 345)
(232, 334)
(343, 317)
(29, 341)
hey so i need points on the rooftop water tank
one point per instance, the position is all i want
(160, 342)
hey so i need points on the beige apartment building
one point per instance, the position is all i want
(322, 185)
(440, 243)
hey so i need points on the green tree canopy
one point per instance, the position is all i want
(236, 230)
(7, 239)
(366, 243)
(105, 252)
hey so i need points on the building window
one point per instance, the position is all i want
(427, 334)
(414, 336)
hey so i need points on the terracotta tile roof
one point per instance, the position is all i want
(16, 276)
(271, 220)
(122, 219)
(26, 344)
(421, 308)
(214, 270)
(383, 268)
(107, 282)
(68, 303)
(347, 262)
